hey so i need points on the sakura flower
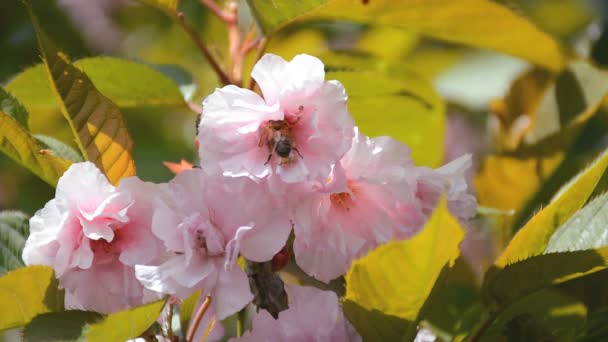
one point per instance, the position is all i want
(386, 198)
(296, 132)
(92, 234)
(450, 179)
(204, 223)
(313, 315)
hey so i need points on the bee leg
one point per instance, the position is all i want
(263, 136)
(268, 160)
(298, 152)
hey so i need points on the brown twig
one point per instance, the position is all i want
(203, 48)
(197, 319)
(225, 16)
(261, 48)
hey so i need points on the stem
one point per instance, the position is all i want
(215, 9)
(203, 48)
(261, 48)
(197, 319)
(170, 322)
(240, 323)
(486, 324)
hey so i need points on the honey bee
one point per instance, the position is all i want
(278, 136)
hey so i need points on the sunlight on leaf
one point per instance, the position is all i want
(396, 279)
(478, 23)
(500, 184)
(533, 238)
(96, 122)
(124, 325)
(128, 84)
(407, 109)
(516, 280)
(584, 230)
(572, 99)
(20, 146)
(25, 293)
(59, 148)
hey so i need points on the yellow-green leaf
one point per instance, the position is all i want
(186, 309)
(572, 99)
(406, 108)
(124, 325)
(584, 230)
(97, 123)
(25, 293)
(514, 281)
(500, 184)
(12, 107)
(479, 23)
(168, 6)
(128, 84)
(20, 146)
(396, 279)
(533, 238)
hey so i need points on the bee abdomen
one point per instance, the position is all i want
(283, 148)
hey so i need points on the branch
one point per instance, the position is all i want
(203, 48)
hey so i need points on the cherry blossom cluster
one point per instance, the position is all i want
(290, 159)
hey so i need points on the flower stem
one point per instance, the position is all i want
(197, 319)
(240, 323)
(170, 322)
(203, 48)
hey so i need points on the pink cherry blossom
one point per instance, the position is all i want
(204, 223)
(386, 198)
(296, 132)
(313, 315)
(92, 234)
(450, 179)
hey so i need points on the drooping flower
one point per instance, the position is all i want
(386, 198)
(204, 223)
(296, 132)
(313, 315)
(92, 234)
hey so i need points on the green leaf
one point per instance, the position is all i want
(407, 109)
(478, 23)
(456, 310)
(533, 238)
(186, 309)
(27, 292)
(128, 84)
(397, 279)
(272, 15)
(97, 123)
(12, 107)
(374, 325)
(14, 230)
(596, 327)
(584, 230)
(59, 148)
(124, 325)
(516, 280)
(546, 312)
(20, 146)
(168, 6)
(572, 99)
(59, 326)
